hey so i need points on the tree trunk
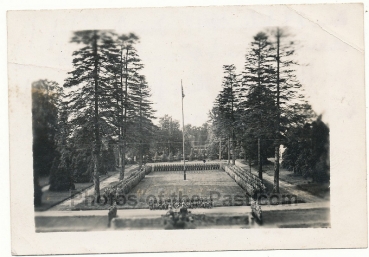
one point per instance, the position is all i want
(260, 161)
(140, 157)
(96, 150)
(119, 155)
(245, 152)
(37, 189)
(96, 177)
(220, 150)
(276, 161)
(121, 121)
(250, 164)
(276, 171)
(125, 118)
(122, 169)
(229, 152)
(121, 160)
(233, 149)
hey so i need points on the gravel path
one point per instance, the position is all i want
(80, 198)
(306, 196)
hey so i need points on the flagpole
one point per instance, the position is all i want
(183, 138)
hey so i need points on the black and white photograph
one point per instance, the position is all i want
(177, 122)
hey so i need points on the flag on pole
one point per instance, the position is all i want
(183, 138)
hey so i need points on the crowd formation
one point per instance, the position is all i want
(178, 219)
(245, 179)
(180, 167)
(256, 209)
(126, 185)
(184, 203)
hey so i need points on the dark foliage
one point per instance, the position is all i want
(307, 151)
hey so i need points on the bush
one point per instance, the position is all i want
(156, 157)
(164, 158)
(148, 169)
(170, 157)
(179, 157)
(37, 193)
(60, 176)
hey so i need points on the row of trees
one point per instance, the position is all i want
(256, 110)
(166, 145)
(103, 107)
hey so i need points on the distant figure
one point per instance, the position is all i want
(183, 209)
(170, 212)
(112, 213)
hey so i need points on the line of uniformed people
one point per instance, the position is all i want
(187, 203)
(125, 186)
(189, 167)
(249, 175)
(249, 183)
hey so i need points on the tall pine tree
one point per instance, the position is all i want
(286, 89)
(226, 103)
(127, 78)
(89, 85)
(256, 100)
(142, 113)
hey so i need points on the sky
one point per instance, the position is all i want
(191, 44)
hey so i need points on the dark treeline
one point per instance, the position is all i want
(100, 115)
(166, 144)
(263, 107)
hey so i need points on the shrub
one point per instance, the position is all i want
(164, 158)
(156, 157)
(179, 157)
(60, 175)
(148, 169)
(170, 157)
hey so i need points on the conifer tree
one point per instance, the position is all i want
(127, 78)
(256, 100)
(142, 115)
(89, 95)
(286, 89)
(226, 103)
(61, 177)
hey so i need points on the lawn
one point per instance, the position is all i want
(319, 190)
(44, 181)
(170, 184)
(51, 198)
